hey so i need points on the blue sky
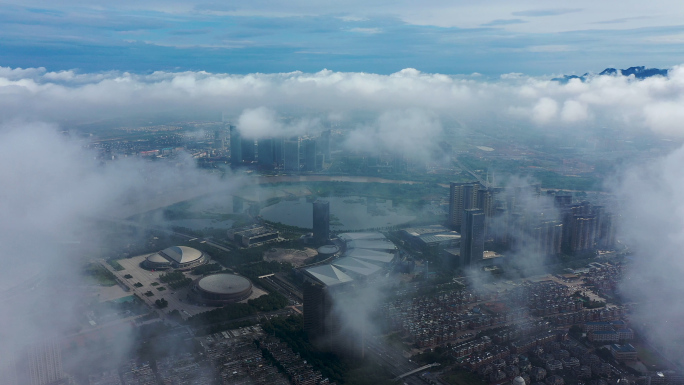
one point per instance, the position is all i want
(452, 37)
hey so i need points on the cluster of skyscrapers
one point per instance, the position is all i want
(40, 364)
(293, 154)
(524, 220)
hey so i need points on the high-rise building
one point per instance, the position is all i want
(321, 220)
(607, 240)
(248, 150)
(562, 200)
(568, 214)
(219, 139)
(399, 164)
(605, 230)
(583, 237)
(320, 160)
(291, 155)
(547, 238)
(266, 152)
(485, 201)
(317, 305)
(472, 236)
(324, 144)
(462, 196)
(309, 150)
(235, 146)
(327, 287)
(8, 365)
(278, 152)
(44, 362)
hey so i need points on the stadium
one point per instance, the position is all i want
(176, 257)
(220, 289)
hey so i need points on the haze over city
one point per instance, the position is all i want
(341, 193)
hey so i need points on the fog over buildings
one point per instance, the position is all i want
(55, 190)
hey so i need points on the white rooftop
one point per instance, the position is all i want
(374, 256)
(182, 254)
(356, 266)
(328, 275)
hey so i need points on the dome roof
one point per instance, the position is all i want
(224, 283)
(157, 258)
(518, 381)
(328, 249)
(181, 254)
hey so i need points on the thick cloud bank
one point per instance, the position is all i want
(652, 222)
(53, 194)
(254, 100)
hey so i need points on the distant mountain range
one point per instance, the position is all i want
(638, 72)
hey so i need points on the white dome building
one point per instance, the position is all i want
(176, 257)
(518, 381)
(220, 289)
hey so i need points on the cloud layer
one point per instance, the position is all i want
(54, 195)
(255, 101)
(652, 223)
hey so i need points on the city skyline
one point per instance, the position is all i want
(348, 193)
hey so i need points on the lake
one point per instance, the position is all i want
(346, 213)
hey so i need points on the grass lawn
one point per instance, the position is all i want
(162, 288)
(99, 275)
(115, 264)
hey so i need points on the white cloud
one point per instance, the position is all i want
(369, 31)
(652, 222)
(263, 122)
(411, 133)
(574, 111)
(551, 48)
(545, 110)
(260, 102)
(54, 192)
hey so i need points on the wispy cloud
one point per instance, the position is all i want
(352, 18)
(187, 32)
(501, 22)
(551, 48)
(369, 31)
(547, 12)
(622, 20)
(665, 39)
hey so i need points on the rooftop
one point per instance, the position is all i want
(356, 266)
(329, 275)
(373, 244)
(328, 249)
(418, 231)
(181, 254)
(224, 283)
(625, 348)
(441, 237)
(373, 256)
